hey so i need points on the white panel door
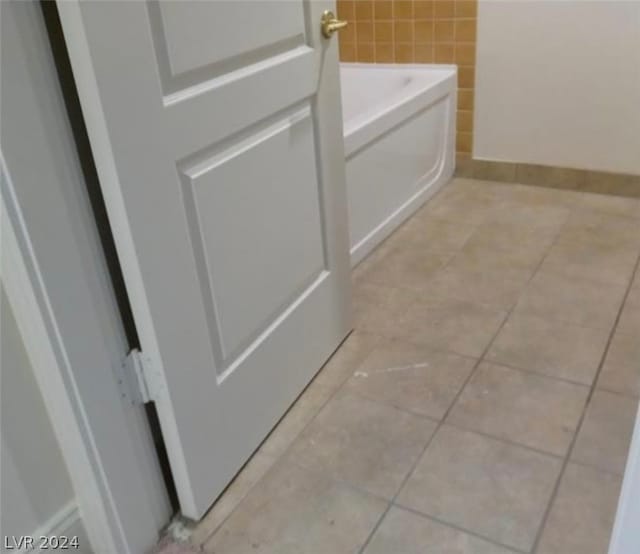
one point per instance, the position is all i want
(217, 134)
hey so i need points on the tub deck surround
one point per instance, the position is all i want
(399, 133)
(484, 402)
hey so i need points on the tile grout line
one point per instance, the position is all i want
(441, 423)
(460, 529)
(459, 393)
(482, 358)
(506, 441)
(491, 342)
(535, 269)
(417, 461)
(592, 390)
(461, 427)
(599, 469)
(538, 373)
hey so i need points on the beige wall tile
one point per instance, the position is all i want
(464, 142)
(465, 54)
(424, 53)
(494, 171)
(364, 9)
(403, 9)
(346, 9)
(364, 31)
(384, 52)
(365, 52)
(550, 176)
(465, 99)
(464, 164)
(444, 53)
(466, 76)
(383, 31)
(404, 52)
(612, 183)
(348, 34)
(465, 30)
(403, 31)
(347, 52)
(444, 30)
(466, 8)
(423, 9)
(444, 9)
(464, 120)
(424, 31)
(383, 9)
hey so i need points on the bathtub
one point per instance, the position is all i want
(399, 135)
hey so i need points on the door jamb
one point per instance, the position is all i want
(61, 400)
(104, 440)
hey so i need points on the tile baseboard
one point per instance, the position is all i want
(600, 182)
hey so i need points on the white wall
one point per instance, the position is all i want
(36, 495)
(558, 83)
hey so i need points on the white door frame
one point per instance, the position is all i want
(102, 509)
(51, 254)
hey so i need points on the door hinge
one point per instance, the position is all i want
(139, 380)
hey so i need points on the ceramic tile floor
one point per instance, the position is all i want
(484, 402)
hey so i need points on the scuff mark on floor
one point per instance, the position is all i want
(391, 369)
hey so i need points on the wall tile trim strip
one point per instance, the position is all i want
(601, 182)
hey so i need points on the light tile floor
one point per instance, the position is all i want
(484, 402)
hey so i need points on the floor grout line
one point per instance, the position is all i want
(458, 528)
(538, 373)
(566, 457)
(459, 426)
(436, 430)
(598, 468)
(464, 385)
(504, 440)
(507, 313)
(592, 390)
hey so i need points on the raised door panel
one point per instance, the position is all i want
(254, 217)
(229, 34)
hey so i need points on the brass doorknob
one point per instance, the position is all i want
(330, 24)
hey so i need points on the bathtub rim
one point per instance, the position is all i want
(361, 130)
